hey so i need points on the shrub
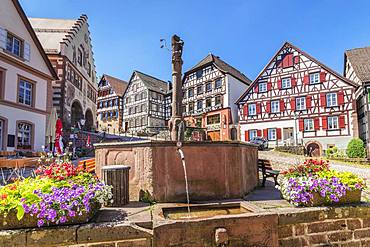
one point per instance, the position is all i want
(356, 149)
(331, 152)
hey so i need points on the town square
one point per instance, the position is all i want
(184, 124)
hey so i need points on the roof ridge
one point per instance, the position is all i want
(149, 75)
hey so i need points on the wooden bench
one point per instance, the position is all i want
(265, 167)
(87, 165)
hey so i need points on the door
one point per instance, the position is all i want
(214, 135)
(288, 136)
(313, 150)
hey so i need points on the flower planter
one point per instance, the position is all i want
(352, 196)
(10, 220)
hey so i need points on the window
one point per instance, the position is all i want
(314, 78)
(191, 107)
(137, 109)
(199, 90)
(252, 109)
(154, 107)
(208, 87)
(333, 123)
(79, 57)
(213, 119)
(218, 100)
(218, 83)
(262, 87)
(14, 45)
(199, 73)
(300, 103)
(199, 104)
(271, 134)
(208, 102)
(24, 132)
(308, 125)
(331, 99)
(275, 106)
(252, 134)
(190, 92)
(25, 92)
(286, 83)
(89, 68)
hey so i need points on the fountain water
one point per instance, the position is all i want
(186, 177)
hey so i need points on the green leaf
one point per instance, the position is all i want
(20, 212)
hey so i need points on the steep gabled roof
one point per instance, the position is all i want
(221, 65)
(360, 61)
(34, 38)
(152, 83)
(287, 44)
(119, 86)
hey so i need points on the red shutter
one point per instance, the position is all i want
(316, 123)
(259, 133)
(308, 101)
(265, 133)
(301, 124)
(296, 60)
(246, 136)
(268, 106)
(340, 96)
(256, 88)
(279, 84)
(282, 105)
(323, 100)
(306, 80)
(288, 60)
(324, 123)
(294, 81)
(322, 76)
(278, 133)
(342, 122)
(258, 108)
(292, 104)
(269, 86)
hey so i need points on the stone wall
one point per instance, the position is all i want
(216, 170)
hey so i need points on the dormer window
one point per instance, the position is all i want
(14, 45)
(262, 87)
(315, 78)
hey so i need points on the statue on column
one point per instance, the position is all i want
(176, 123)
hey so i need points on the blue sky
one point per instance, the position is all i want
(125, 34)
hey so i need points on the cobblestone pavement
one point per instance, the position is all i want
(281, 161)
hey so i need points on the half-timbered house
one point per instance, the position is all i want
(210, 90)
(145, 102)
(298, 100)
(357, 69)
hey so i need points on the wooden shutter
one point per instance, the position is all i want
(340, 96)
(324, 123)
(342, 122)
(296, 60)
(279, 84)
(246, 133)
(268, 86)
(268, 106)
(308, 101)
(278, 133)
(306, 80)
(301, 124)
(256, 88)
(259, 133)
(258, 108)
(288, 60)
(282, 105)
(3, 35)
(293, 80)
(323, 100)
(265, 133)
(322, 76)
(317, 123)
(27, 51)
(245, 109)
(292, 104)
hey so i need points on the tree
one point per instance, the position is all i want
(356, 149)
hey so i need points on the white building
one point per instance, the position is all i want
(25, 82)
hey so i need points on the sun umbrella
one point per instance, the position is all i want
(88, 141)
(58, 136)
(50, 128)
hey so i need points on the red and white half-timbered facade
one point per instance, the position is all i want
(298, 100)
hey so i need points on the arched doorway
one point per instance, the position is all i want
(313, 149)
(89, 123)
(76, 113)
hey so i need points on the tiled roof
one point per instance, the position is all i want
(153, 83)
(119, 86)
(222, 65)
(360, 61)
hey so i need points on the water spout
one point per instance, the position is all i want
(181, 153)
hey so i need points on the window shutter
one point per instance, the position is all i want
(279, 84)
(292, 104)
(324, 123)
(296, 60)
(256, 88)
(258, 132)
(306, 80)
(265, 133)
(288, 60)
(246, 135)
(308, 101)
(27, 51)
(282, 105)
(342, 122)
(317, 123)
(258, 108)
(322, 76)
(301, 124)
(269, 86)
(323, 100)
(268, 106)
(278, 133)
(245, 109)
(293, 81)
(340, 98)
(3, 35)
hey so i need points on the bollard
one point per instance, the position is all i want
(118, 177)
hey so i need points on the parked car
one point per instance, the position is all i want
(261, 142)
